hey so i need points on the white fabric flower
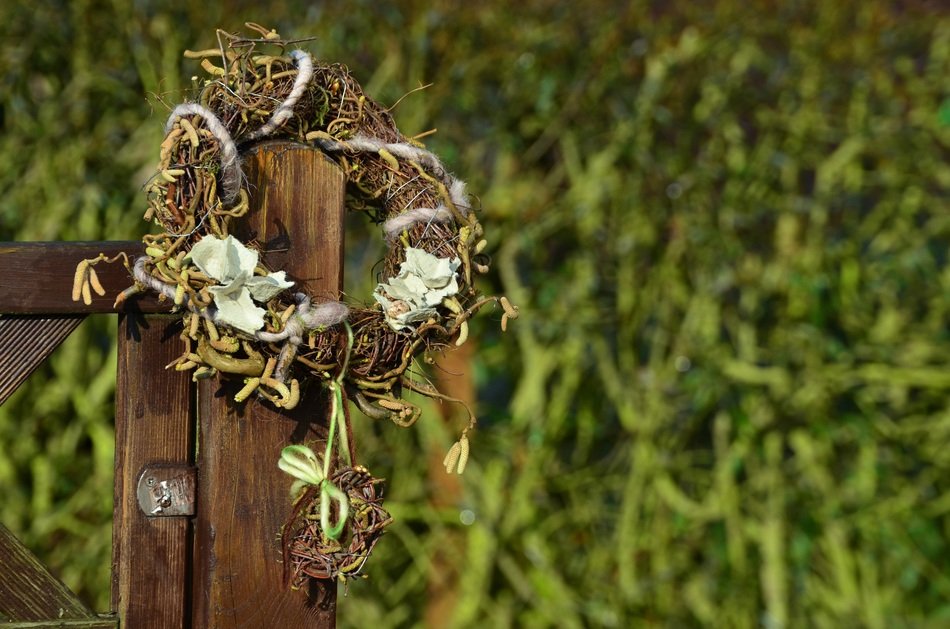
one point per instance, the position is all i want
(422, 283)
(232, 264)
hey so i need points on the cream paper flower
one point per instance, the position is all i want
(232, 264)
(422, 283)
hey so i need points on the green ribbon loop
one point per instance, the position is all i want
(301, 463)
(331, 493)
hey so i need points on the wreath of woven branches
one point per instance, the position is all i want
(310, 552)
(242, 319)
(262, 88)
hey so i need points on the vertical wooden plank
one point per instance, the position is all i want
(297, 217)
(154, 424)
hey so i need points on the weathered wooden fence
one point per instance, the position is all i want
(199, 500)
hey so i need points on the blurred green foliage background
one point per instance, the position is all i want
(726, 225)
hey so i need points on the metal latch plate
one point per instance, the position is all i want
(167, 490)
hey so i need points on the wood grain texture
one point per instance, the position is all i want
(297, 217)
(25, 342)
(297, 193)
(86, 623)
(154, 424)
(28, 592)
(37, 278)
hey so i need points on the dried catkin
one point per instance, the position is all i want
(452, 457)
(463, 454)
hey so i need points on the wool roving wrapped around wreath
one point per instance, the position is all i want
(243, 320)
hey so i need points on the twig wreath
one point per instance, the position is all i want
(241, 319)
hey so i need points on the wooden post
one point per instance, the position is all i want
(154, 423)
(297, 211)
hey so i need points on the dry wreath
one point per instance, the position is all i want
(241, 319)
